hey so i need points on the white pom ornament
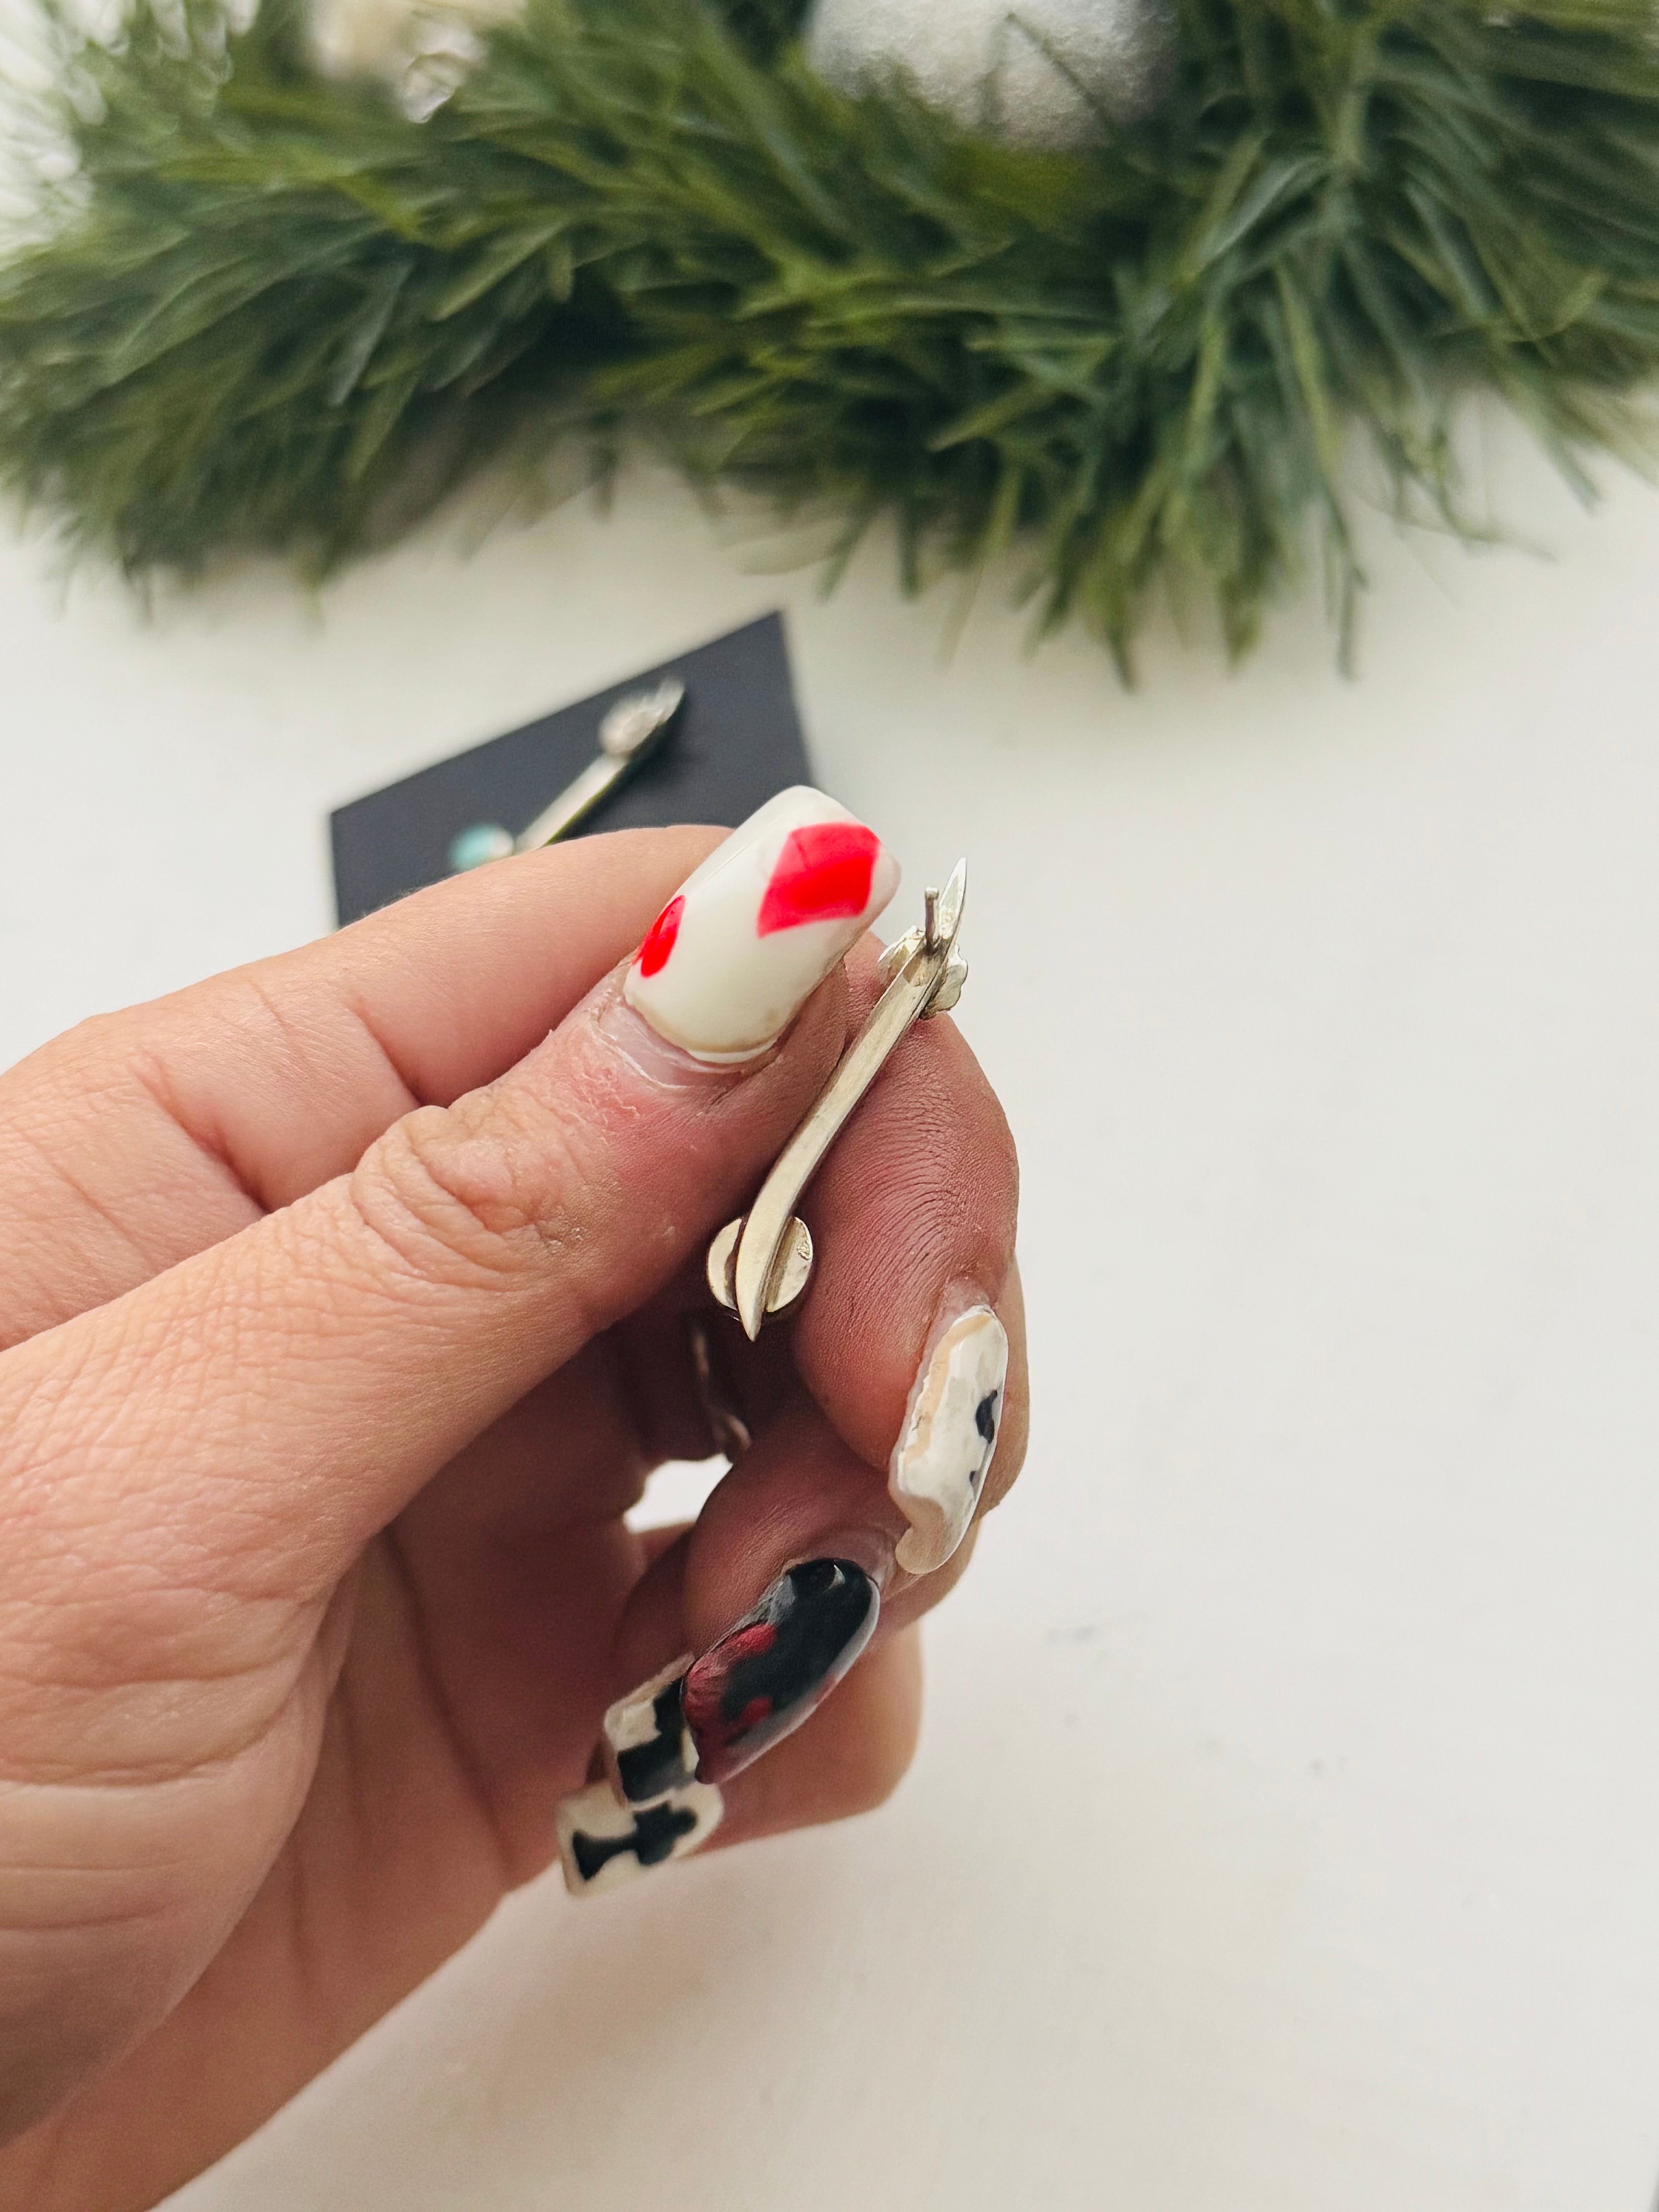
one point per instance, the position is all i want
(1046, 73)
(420, 48)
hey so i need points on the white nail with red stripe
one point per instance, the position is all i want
(748, 937)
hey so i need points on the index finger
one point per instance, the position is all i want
(145, 1136)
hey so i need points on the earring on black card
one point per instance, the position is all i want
(628, 735)
(707, 737)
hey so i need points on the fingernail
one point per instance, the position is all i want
(602, 1844)
(949, 1434)
(749, 935)
(774, 1668)
(648, 1750)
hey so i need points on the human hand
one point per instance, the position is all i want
(342, 1318)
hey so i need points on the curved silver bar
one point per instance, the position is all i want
(920, 967)
(628, 735)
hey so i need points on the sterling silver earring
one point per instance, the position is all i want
(628, 735)
(760, 1266)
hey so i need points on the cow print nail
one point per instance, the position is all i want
(949, 1438)
(648, 1750)
(602, 1844)
(771, 1670)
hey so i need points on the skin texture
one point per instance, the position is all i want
(340, 1327)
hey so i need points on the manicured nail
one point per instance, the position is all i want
(602, 1844)
(945, 1448)
(771, 1670)
(648, 1750)
(749, 935)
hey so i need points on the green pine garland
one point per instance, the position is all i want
(276, 312)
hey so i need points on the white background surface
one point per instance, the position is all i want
(1283, 1835)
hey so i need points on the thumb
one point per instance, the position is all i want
(243, 1423)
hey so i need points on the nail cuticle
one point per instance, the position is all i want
(868, 1548)
(661, 1062)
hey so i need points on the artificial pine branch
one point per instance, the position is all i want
(276, 312)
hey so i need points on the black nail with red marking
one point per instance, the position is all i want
(778, 1664)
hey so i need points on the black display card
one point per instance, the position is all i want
(736, 742)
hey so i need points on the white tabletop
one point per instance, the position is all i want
(1282, 1839)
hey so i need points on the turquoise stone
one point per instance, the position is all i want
(472, 847)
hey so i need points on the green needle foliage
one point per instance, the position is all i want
(274, 312)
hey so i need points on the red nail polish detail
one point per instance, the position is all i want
(771, 1670)
(659, 939)
(823, 874)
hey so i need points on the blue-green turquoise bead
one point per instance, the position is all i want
(472, 847)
